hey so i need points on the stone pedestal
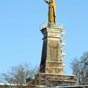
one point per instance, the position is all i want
(51, 67)
(51, 60)
(55, 80)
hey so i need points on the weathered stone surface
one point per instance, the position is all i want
(55, 80)
(51, 61)
(51, 67)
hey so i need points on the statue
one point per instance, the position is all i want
(51, 11)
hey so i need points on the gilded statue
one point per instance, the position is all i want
(51, 11)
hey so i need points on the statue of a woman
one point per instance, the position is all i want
(51, 11)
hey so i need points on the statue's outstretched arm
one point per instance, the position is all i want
(46, 1)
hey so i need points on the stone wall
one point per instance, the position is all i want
(7, 86)
(12, 86)
(78, 86)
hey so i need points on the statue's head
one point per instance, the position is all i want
(52, 0)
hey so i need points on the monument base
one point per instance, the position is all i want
(54, 80)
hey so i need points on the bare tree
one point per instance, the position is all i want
(80, 69)
(19, 74)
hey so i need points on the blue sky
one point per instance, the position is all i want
(20, 36)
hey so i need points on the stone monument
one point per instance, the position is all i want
(51, 71)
